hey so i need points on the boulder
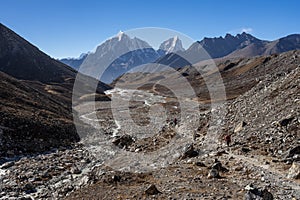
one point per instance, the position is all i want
(29, 188)
(75, 170)
(240, 126)
(152, 190)
(293, 151)
(189, 152)
(218, 166)
(123, 141)
(285, 122)
(294, 171)
(257, 194)
(213, 173)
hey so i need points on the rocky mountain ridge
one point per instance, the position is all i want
(171, 52)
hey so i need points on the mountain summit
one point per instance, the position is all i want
(171, 45)
(116, 56)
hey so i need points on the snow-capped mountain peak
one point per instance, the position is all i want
(116, 56)
(172, 45)
(120, 34)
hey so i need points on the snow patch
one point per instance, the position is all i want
(120, 35)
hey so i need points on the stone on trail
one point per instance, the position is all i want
(152, 190)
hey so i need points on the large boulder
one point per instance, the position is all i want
(189, 152)
(257, 194)
(123, 141)
(294, 171)
(240, 126)
(152, 190)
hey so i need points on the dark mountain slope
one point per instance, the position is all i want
(30, 120)
(22, 60)
(36, 97)
(220, 47)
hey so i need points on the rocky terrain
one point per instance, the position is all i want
(31, 121)
(238, 75)
(262, 160)
(179, 160)
(162, 134)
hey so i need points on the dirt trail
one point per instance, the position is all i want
(273, 175)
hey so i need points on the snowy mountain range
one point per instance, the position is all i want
(121, 53)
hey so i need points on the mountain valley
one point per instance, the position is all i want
(219, 125)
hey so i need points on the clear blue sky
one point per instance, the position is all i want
(66, 28)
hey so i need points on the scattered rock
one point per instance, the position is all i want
(240, 126)
(46, 175)
(294, 171)
(257, 194)
(239, 168)
(213, 173)
(75, 170)
(220, 153)
(152, 190)
(285, 122)
(245, 150)
(116, 178)
(200, 164)
(26, 198)
(293, 151)
(189, 152)
(29, 188)
(8, 165)
(218, 166)
(123, 141)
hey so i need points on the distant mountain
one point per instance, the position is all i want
(121, 53)
(36, 97)
(239, 46)
(290, 42)
(171, 45)
(209, 48)
(74, 62)
(117, 56)
(220, 47)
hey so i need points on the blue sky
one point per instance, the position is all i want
(66, 28)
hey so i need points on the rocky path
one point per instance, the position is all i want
(270, 174)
